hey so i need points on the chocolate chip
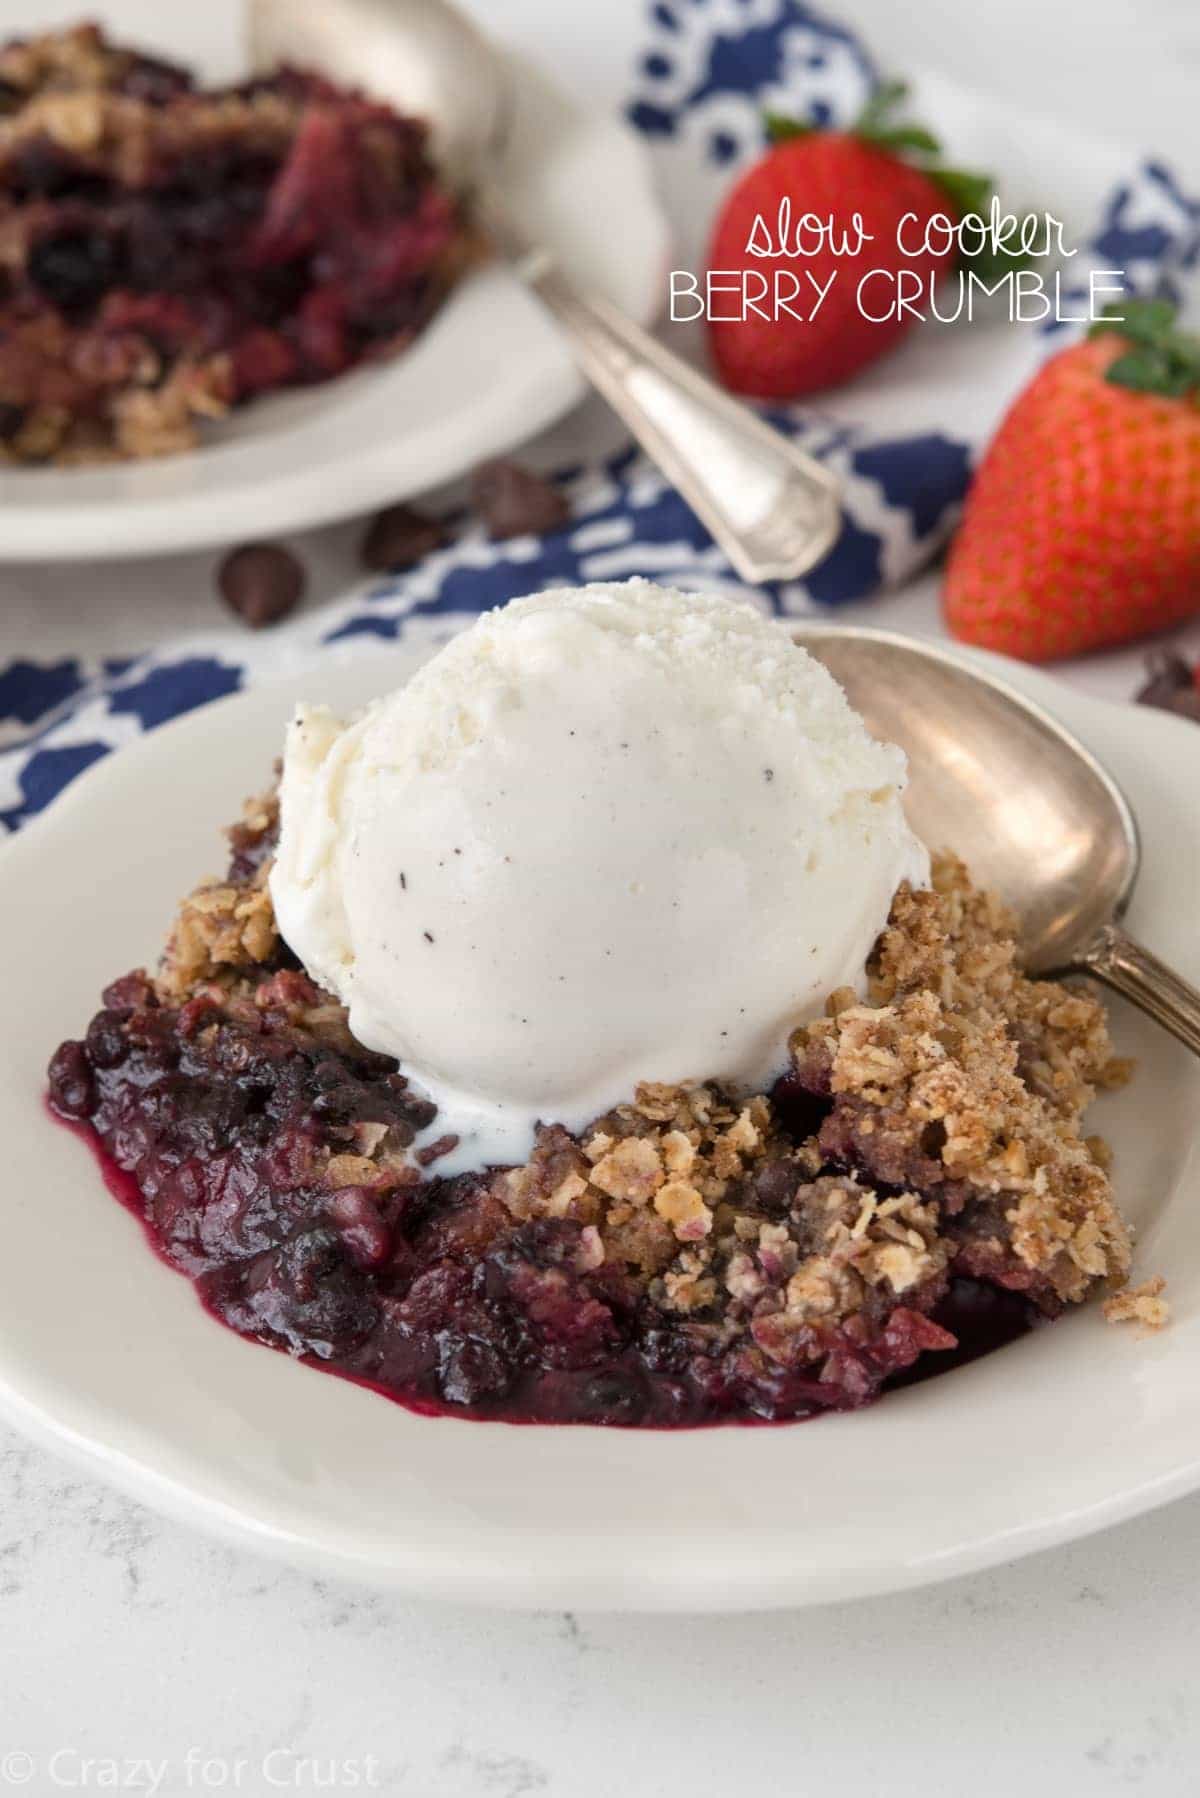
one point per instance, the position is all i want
(1171, 685)
(421, 1113)
(435, 1150)
(261, 582)
(514, 502)
(1186, 704)
(398, 538)
(775, 1185)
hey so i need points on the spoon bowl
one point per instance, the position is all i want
(994, 778)
(1033, 813)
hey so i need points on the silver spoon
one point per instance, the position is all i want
(771, 508)
(1027, 807)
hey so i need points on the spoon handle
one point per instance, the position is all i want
(773, 509)
(1119, 962)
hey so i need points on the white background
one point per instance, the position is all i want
(124, 1636)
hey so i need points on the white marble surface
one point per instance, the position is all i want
(126, 1639)
(123, 1635)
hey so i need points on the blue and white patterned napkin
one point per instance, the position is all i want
(902, 441)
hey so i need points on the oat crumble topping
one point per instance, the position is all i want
(946, 1136)
(1143, 1305)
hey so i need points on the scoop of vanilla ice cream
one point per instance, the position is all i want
(608, 834)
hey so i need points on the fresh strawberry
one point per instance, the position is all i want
(1082, 526)
(832, 175)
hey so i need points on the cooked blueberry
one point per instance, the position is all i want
(107, 1044)
(471, 1371)
(75, 267)
(71, 1089)
(614, 1397)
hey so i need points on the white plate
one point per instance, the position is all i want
(490, 371)
(106, 1353)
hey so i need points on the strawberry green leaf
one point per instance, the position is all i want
(1142, 321)
(967, 192)
(884, 100)
(1185, 352)
(904, 137)
(1162, 360)
(781, 129)
(992, 261)
(1148, 370)
(1149, 321)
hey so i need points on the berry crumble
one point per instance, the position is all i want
(917, 1185)
(169, 251)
